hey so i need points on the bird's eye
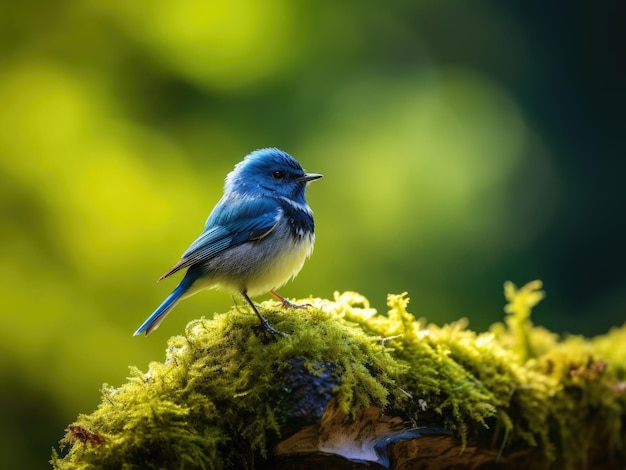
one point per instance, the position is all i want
(278, 174)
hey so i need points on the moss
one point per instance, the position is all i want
(217, 400)
(586, 401)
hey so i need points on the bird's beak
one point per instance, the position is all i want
(308, 177)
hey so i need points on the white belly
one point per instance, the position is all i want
(257, 266)
(281, 268)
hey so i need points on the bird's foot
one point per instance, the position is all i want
(286, 303)
(270, 329)
(264, 323)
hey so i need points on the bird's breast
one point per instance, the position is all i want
(286, 256)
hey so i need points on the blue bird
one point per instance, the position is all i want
(256, 238)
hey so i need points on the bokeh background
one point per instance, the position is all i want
(463, 144)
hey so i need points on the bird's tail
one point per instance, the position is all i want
(154, 320)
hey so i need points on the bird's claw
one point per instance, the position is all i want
(270, 329)
(286, 303)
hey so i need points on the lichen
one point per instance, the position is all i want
(216, 403)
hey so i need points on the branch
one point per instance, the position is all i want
(350, 388)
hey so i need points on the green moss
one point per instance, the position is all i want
(586, 399)
(217, 400)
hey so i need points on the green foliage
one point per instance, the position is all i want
(468, 378)
(586, 401)
(215, 402)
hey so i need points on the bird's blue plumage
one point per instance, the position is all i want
(256, 238)
(168, 304)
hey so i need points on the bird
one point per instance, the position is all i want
(256, 238)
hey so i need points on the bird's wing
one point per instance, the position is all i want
(233, 221)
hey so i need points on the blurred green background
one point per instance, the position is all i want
(463, 144)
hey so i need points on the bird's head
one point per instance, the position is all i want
(270, 170)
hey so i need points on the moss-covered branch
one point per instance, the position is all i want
(348, 381)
